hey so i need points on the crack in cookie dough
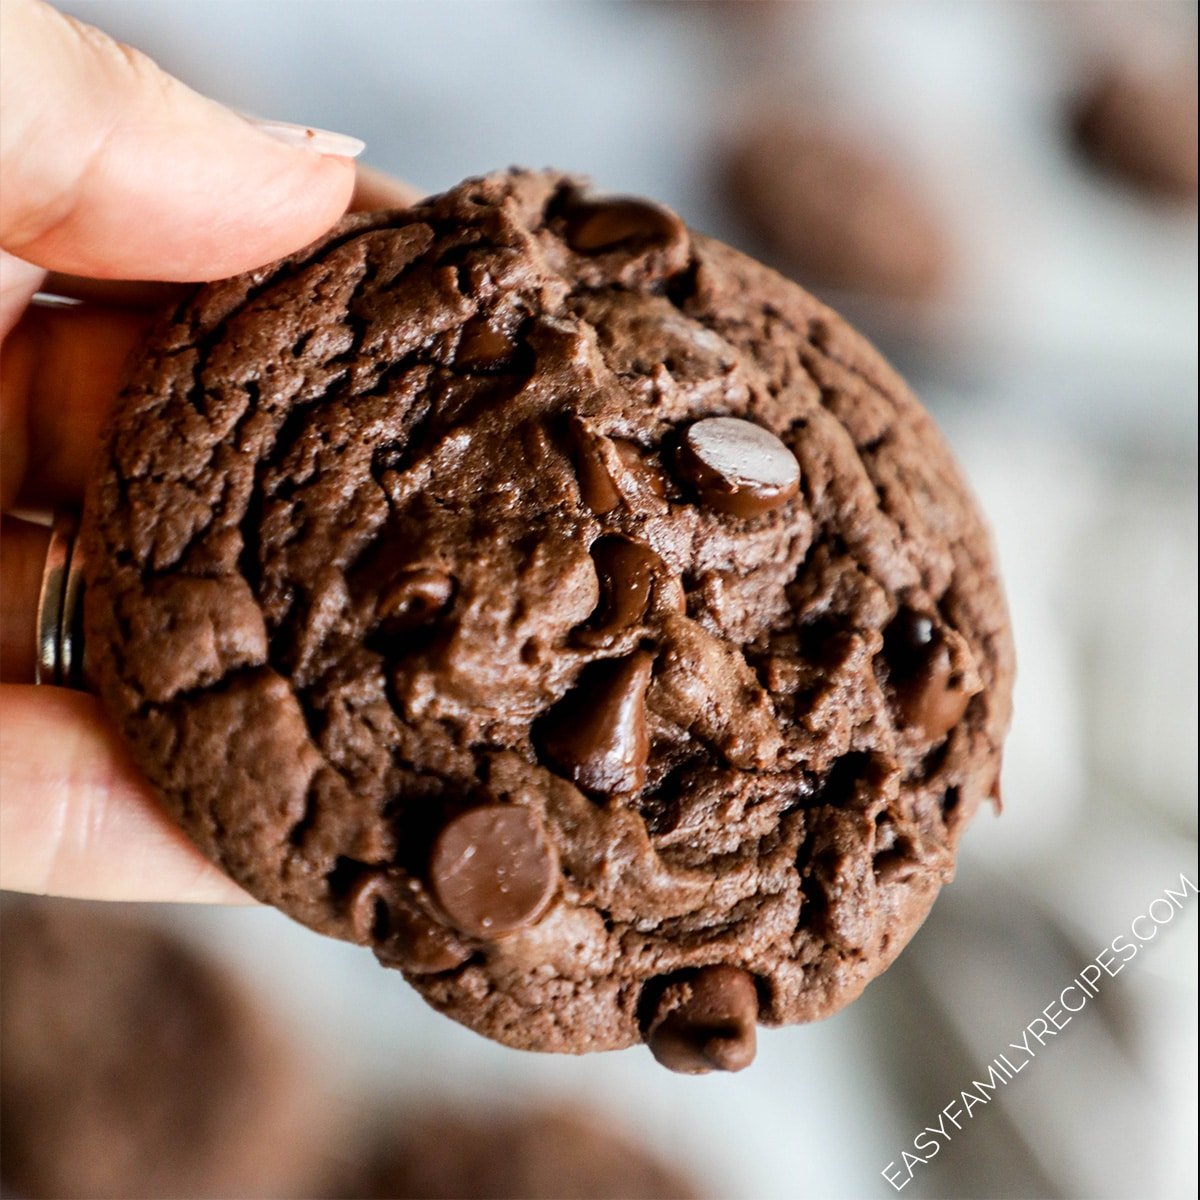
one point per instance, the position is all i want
(560, 603)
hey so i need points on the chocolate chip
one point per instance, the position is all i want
(596, 486)
(626, 571)
(493, 870)
(413, 598)
(483, 346)
(419, 946)
(396, 929)
(935, 697)
(706, 1022)
(366, 904)
(594, 471)
(931, 693)
(594, 226)
(635, 462)
(597, 734)
(906, 642)
(738, 467)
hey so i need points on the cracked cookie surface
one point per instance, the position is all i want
(560, 603)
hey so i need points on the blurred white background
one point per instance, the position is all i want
(1062, 366)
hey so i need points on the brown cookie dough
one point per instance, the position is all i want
(457, 1154)
(835, 212)
(133, 1068)
(560, 603)
(1140, 124)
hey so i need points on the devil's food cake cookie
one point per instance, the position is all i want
(561, 604)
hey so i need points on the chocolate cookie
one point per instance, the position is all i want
(133, 1068)
(457, 1154)
(561, 604)
(1141, 126)
(835, 212)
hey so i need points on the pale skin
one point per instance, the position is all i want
(110, 171)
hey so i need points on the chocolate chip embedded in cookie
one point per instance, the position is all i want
(932, 673)
(596, 735)
(559, 603)
(492, 870)
(705, 1022)
(611, 222)
(738, 467)
(385, 911)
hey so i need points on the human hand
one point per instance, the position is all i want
(111, 170)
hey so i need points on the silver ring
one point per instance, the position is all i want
(59, 659)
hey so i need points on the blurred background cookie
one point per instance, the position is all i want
(1139, 123)
(835, 211)
(464, 1153)
(134, 1067)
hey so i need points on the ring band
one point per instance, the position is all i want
(59, 659)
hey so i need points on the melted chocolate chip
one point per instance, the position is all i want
(594, 226)
(706, 1022)
(934, 698)
(626, 571)
(931, 694)
(419, 946)
(483, 347)
(596, 486)
(493, 870)
(366, 902)
(597, 734)
(635, 462)
(396, 929)
(413, 598)
(906, 642)
(738, 467)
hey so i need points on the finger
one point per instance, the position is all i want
(59, 375)
(76, 818)
(18, 282)
(374, 190)
(22, 557)
(111, 168)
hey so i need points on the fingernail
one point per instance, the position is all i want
(323, 141)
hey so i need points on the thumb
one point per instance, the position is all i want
(109, 167)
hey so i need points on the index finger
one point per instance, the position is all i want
(373, 189)
(111, 168)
